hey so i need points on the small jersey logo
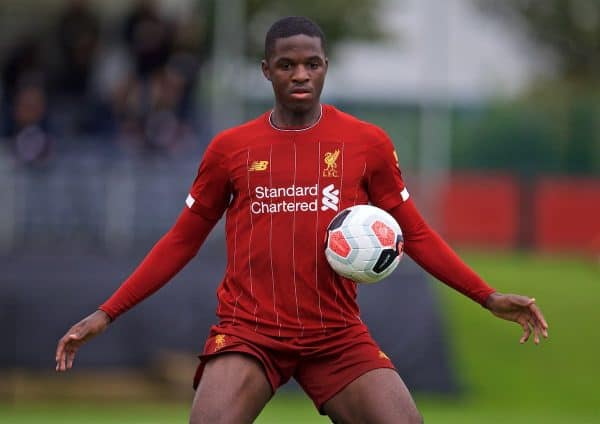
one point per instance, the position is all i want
(259, 165)
(220, 340)
(330, 198)
(330, 160)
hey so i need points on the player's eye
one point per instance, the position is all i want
(314, 65)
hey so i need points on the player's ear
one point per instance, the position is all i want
(265, 69)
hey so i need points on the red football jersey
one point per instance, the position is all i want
(280, 189)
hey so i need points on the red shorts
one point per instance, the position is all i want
(322, 364)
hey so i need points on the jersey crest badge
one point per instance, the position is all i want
(330, 160)
(220, 340)
(259, 165)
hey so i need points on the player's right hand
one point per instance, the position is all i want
(84, 330)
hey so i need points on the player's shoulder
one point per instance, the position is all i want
(354, 125)
(230, 138)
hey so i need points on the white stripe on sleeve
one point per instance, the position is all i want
(189, 201)
(404, 194)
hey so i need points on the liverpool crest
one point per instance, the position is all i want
(330, 160)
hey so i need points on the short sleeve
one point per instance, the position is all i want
(385, 185)
(211, 190)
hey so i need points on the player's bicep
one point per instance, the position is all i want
(211, 190)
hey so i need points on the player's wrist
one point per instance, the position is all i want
(491, 299)
(100, 313)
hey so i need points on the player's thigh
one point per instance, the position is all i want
(376, 397)
(233, 389)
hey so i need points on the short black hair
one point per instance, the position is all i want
(289, 26)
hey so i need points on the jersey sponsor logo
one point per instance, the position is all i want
(263, 192)
(293, 198)
(259, 165)
(330, 198)
(330, 160)
(285, 199)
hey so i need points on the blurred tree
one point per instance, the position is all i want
(552, 130)
(512, 136)
(554, 126)
(570, 28)
(339, 19)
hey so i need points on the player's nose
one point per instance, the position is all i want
(301, 74)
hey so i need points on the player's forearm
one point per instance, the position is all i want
(434, 255)
(437, 258)
(170, 254)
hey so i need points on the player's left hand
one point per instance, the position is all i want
(522, 310)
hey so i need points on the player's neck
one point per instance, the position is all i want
(282, 119)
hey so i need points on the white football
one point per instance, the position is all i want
(363, 243)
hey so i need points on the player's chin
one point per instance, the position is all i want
(301, 105)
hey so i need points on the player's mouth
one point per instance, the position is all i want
(301, 93)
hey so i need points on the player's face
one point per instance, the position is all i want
(297, 71)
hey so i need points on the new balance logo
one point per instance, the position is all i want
(259, 165)
(330, 198)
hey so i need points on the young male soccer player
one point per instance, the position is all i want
(282, 311)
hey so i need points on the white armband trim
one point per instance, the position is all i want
(189, 201)
(404, 194)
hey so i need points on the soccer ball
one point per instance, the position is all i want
(363, 243)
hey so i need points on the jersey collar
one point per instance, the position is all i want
(314, 124)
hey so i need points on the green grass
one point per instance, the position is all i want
(554, 382)
(505, 382)
(68, 413)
